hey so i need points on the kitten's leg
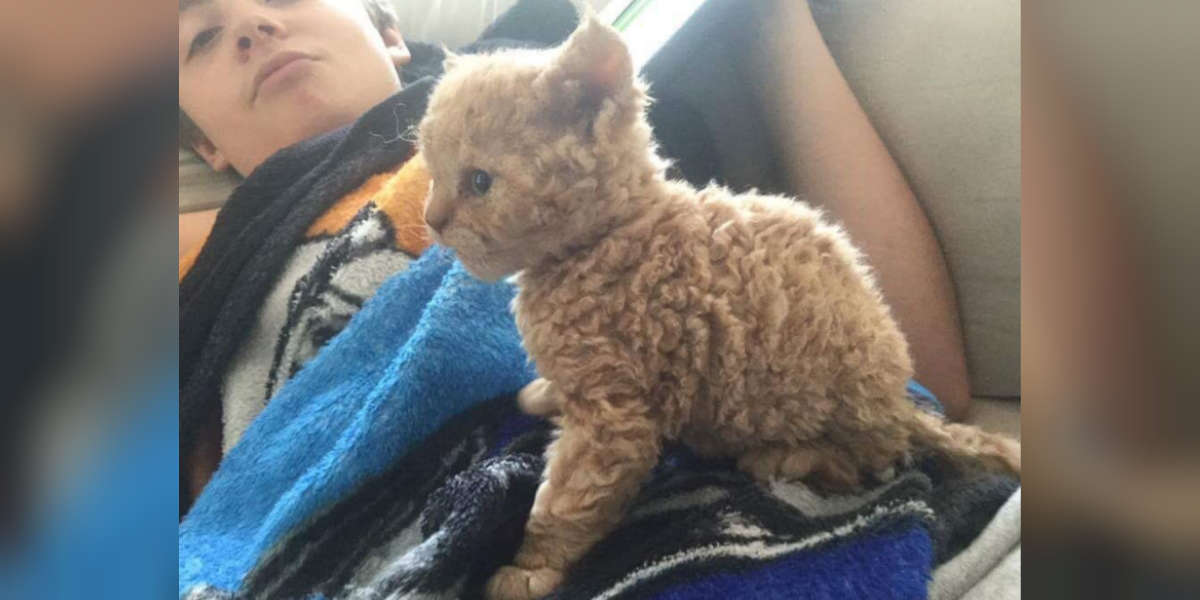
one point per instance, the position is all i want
(539, 398)
(594, 471)
(779, 462)
(836, 472)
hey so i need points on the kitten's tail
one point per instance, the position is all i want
(966, 445)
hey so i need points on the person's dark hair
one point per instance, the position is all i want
(382, 15)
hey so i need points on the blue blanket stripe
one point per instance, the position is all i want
(885, 566)
(379, 388)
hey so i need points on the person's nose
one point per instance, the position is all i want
(256, 30)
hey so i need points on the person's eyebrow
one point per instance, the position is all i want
(186, 4)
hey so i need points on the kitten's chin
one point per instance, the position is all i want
(481, 262)
(485, 272)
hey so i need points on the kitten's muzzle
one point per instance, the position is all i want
(437, 224)
(437, 218)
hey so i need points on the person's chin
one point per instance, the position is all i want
(309, 110)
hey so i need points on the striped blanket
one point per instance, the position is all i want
(395, 465)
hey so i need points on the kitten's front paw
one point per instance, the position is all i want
(538, 399)
(515, 583)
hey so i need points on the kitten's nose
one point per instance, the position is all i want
(437, 219)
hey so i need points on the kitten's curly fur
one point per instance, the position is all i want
(743, 325)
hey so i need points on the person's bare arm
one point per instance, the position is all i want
(836, 159)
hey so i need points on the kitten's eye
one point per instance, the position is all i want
(480, 181)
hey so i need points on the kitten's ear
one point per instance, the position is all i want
(596, 59)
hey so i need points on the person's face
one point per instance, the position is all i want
(259, 75)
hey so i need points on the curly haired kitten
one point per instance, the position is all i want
(743, 325)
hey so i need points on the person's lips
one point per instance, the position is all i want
(275, 63)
